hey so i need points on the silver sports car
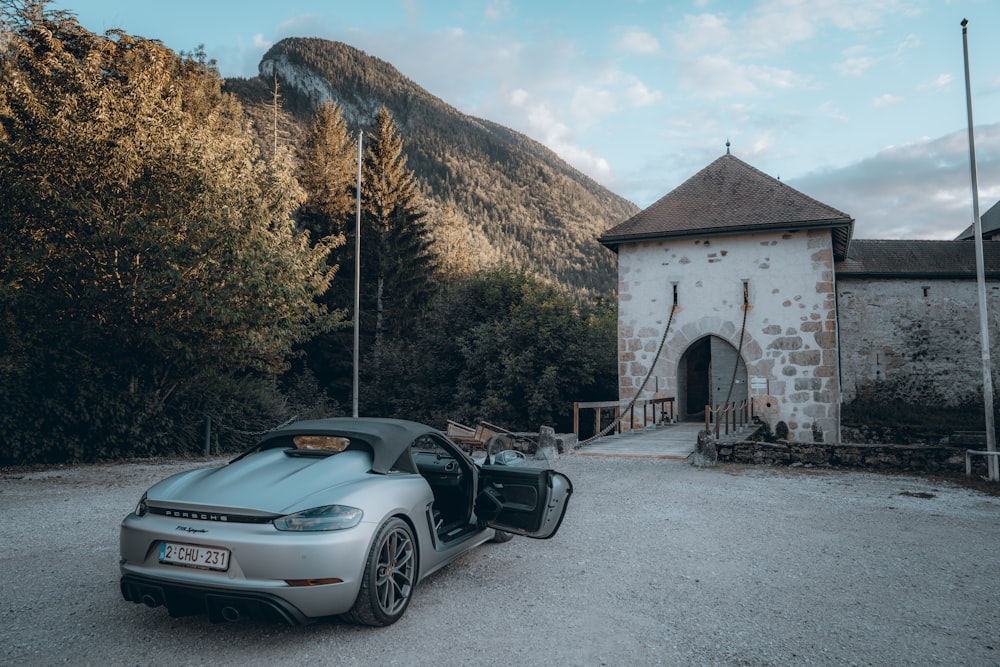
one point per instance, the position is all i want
(328, 517)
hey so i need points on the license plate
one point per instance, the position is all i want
(212, 558)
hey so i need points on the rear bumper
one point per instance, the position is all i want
(262, 563)
(221, 604)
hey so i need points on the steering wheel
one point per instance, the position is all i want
(504, 457)
(509, 457)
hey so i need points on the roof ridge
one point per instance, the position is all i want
(728, 196)
(783, 184)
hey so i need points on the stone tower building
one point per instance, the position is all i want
(750, 288)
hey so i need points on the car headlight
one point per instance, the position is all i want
(328, 517)
(141, 508)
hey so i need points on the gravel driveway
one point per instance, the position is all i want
(657, 562)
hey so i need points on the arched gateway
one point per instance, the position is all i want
(705, 374)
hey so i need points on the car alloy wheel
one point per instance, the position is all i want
(390, 573)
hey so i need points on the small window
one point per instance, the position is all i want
(746, 295)
(675, 302)
(321, 443)
(927, 291)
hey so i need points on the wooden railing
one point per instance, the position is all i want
(658, 407)
(734, 415)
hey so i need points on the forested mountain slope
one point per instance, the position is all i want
(520, 201)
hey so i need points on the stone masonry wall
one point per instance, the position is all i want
(789, 344)
(915, 340)
(895, 458)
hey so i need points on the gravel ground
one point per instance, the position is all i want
(657, 562)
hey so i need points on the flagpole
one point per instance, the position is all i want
(357, 282)
(984, 332)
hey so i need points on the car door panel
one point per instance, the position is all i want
(523, 501)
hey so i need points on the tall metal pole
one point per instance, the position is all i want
(984, 332)
(357, 282)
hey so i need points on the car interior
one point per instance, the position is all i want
(450, 480)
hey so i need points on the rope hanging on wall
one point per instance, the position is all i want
(732, 382)
(739, 350)
(649, 374)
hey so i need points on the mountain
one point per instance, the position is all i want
(521, 202)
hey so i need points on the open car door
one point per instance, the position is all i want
(523, 501)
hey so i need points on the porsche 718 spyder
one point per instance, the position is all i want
(328, 517)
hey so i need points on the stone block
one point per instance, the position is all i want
(808, 384)
(826, 339)
(823, 397)
(804, 358)
(786, 343)
(751, 349)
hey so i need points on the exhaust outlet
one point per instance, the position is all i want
(150, 601)
(231, 614)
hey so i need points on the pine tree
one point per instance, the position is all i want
(328, 174)
(397, 264)
(396, 251)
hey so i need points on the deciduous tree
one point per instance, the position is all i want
(142, 240)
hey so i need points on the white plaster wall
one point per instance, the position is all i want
(790, 338)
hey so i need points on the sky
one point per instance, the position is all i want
(860, 104)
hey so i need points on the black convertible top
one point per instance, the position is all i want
(390, 439)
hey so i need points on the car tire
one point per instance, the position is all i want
(501, 536)
(389, 576)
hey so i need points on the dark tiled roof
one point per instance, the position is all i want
(918, 259)
(729, 196)
(990, 222)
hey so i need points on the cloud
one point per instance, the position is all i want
(701, 32)
(637, 94)
(716, 77)
(773, 25)
(941, 82)
(833, 112)
(590, 104)
(918, 190)
(886, 100)
(854, 66)
(497, 9)
(544, 124)
(640, 42)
